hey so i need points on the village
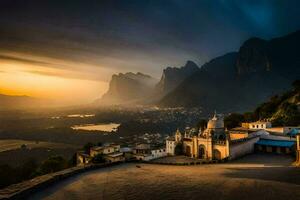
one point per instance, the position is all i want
(213, 142)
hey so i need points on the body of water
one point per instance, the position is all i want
(81, 115)
(97, 127)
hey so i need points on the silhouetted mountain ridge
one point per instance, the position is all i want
(173, 76)
(138, 88)
(127, 87)
(239, 81)
(18, 102)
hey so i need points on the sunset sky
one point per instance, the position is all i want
(68, 50)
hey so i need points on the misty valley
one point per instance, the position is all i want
(126, 126)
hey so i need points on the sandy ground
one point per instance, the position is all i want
(176, 159)
(253, 177)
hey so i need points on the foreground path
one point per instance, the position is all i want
(253, 177)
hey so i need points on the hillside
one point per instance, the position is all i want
(239, 81)
(18, 102)
(282, 109)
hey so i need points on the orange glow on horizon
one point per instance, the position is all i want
(17, 79)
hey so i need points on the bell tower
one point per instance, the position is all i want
(178, 136)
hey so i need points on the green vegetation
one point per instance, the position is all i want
(233, 120)
(87, 147)
(52, 164)
(30, 169)
(281, 110)
(98, 159)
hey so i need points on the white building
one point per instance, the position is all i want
(260, 125)
(171, 143)
(146, 153)
(158, 153)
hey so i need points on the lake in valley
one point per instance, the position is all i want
(97, 127)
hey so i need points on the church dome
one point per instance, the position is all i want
(215, 122)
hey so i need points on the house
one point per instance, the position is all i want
(266, 125)
(105, 149)
(110, 153)
(239, 133)
(114, 157)
(158, 153)
(260, 125)
(142, 151)
(127, 153)
(298, 150)
(146, 152)
(172, 142)
(83, 158)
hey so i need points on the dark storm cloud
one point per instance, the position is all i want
(140, 35)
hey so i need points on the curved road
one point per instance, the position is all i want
(253, 177)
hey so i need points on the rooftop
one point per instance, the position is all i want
(276, 143)
(116, 154)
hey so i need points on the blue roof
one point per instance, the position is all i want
(276, 143)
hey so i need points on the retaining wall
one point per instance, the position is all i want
(242, 148)
(24, 189)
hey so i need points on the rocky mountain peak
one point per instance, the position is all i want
(252, 56)
(173, 76)
(126, 87)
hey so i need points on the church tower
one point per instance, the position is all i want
(178, 136)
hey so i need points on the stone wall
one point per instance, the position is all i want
(242, 148)
(24, 189)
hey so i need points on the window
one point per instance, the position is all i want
(262, 125)
(256, 126)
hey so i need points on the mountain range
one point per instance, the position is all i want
(234, 82)
(19, 102)
(239, 81)
(140, 88)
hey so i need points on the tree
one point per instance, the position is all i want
(7, 175)
(27, 170)
(98, 159)
(87, 147)
(233, 120)
(52, 164)
(73, 160)
(178, 149)
(248, 117)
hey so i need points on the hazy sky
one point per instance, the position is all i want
(70, 49)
